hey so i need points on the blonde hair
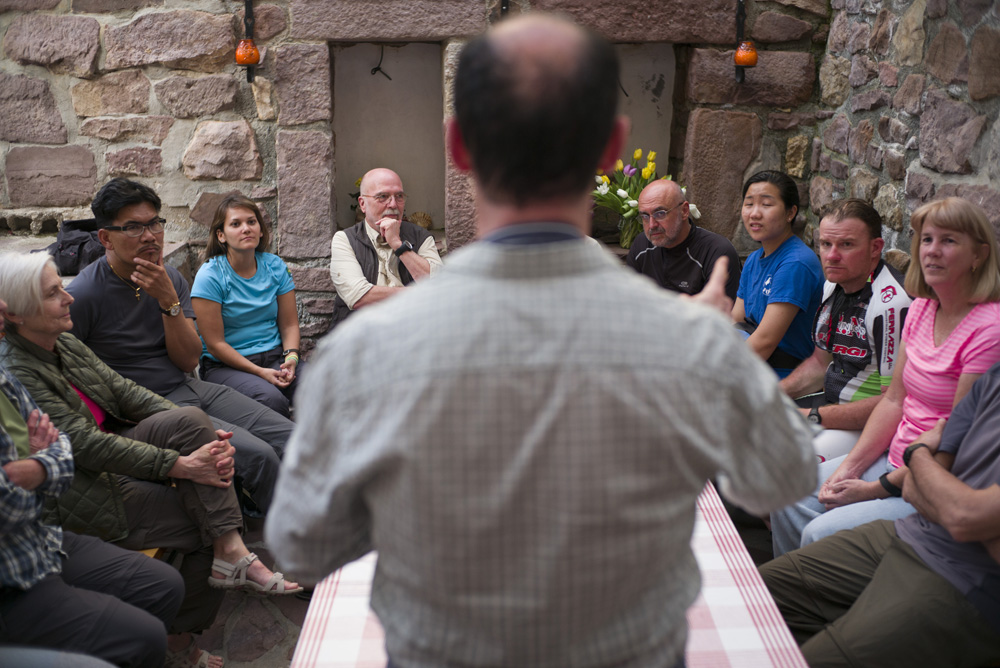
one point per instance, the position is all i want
(21, 281)
(957, 215)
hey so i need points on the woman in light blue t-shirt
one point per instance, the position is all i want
(244, 300)
(782, 283)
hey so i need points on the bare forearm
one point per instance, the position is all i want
(875, 438)
(967, 514)
(375, 294)
(417, 265)
(229, 356)
(182, 341)
(852, 415)
(805, 379)
(25, 473)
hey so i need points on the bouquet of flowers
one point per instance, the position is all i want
(620, 192)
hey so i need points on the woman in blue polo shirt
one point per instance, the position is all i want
(782, 282)
(244, 300)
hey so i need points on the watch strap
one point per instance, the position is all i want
(814, 415)
(174, 309)
(908, 453)
(889, 487)
(403, 248)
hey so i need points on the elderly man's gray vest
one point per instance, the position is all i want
(364, 251)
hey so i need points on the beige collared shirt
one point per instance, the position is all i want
(350, 281)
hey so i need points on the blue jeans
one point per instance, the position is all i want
(808, 520)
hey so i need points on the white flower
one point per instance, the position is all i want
(602, 189)
(622, 193)
(598, 179)
(693, 210)
(684, 190)
(632, 203)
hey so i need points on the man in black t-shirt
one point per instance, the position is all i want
(671, 249)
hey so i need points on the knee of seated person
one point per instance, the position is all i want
(193, 417)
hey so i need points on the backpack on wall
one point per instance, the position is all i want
(76, 246)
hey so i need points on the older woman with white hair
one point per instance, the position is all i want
(127, 443)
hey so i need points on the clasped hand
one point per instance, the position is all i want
(211, 464)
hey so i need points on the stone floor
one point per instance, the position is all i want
(256, 631)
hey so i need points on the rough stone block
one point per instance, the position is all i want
(936, 9)
(836, 134)
(946, 53)
(371, 20)
(873, 156)
(893, 130)
(907, 98)
(61, 43)
(817, 7)
(56, 176)
(888, 75)
(860, 32)
(147, 129)
(910, 35)
(720, 146)
(190, 97)
(878, 42)
(817, 151)
(263, 97)
(263, 192)
(305, 190)
(863, 184)
(269, 20)
(919, 189)
(95, 6)
(821, 34)
(895, 164)
(302, 83)
(138, 161)
(27, 5)
(984, 196)
(795, 155)
(887, 204)
(820, 195)
(973, 10)
(780, 79)
(782, 120)
(204, 209)
(872, 99)
(948, 133)
(860, 137)
(115, 93)
(863, 70)
(834, 82)
(772, 28)
(837, 41)
(312, 280)
(28, 111)
(223, 150)
(984, 66)
(460, 207)
(318, 306)
(824, 162)
(839, 169)
(183, 39)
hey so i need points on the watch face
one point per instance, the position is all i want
(175, 309)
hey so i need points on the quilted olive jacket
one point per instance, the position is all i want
(93, 503)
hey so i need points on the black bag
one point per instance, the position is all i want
(76, 246)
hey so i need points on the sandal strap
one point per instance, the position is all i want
(236, 574)
(275, 579)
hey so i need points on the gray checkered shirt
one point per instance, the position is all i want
(528, 466)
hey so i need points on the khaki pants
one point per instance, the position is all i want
(186, 518)
(863, 598)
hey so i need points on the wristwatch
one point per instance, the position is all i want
(403, 248)
(174, 309)
(908, 453)
(814, 416)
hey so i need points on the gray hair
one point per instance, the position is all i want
(21, 281)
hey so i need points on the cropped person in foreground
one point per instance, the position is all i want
(530, 494)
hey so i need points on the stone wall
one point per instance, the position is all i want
(905, 108)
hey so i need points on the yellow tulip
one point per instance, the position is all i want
(646, 172)
(651, 157)
(357, 184)
(651, 166)
(604, 177)
(637, 155)
(619, 166)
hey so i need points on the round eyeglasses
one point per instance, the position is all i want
(659, 215)
(383, 198)
(135, 229)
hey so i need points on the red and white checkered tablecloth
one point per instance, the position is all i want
(733, 623)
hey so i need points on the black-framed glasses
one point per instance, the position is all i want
(383, 198)
(659, 215)
(135, 229)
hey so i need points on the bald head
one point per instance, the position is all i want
(535, 81)
(664, 213)
(380, 182)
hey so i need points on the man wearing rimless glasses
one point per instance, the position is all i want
(381, 254)
(673, 251)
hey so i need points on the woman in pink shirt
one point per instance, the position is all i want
(951, 337)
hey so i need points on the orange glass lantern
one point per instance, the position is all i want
(746, 54)
(247, 53)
